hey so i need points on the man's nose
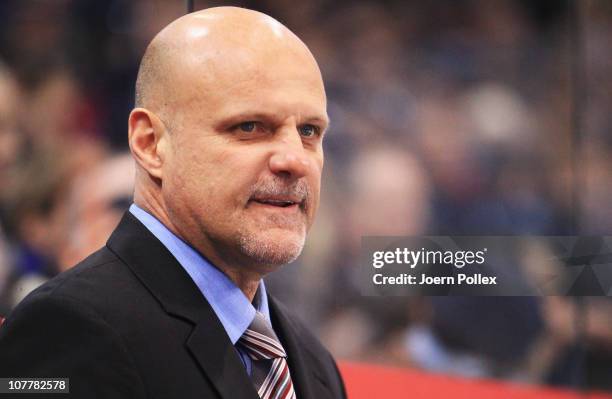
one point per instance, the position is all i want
(289, 158)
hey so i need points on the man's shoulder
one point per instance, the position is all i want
(79, 290)
(101, 283)
(100, 271)
(63, 325)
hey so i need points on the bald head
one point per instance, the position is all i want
(199, 51)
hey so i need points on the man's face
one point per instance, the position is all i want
(242, 179)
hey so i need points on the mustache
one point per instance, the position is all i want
(277, 187)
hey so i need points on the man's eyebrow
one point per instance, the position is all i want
(254, 116)
(247, 115)
(235, 118)
(319, 120)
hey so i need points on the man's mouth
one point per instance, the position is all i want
(282, 204)
(278, 202)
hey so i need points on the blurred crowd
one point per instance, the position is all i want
(448, 117)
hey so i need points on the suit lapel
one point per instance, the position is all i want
(170, 284)
(300, 365)
(211, 347)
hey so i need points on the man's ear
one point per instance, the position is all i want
(147, 138)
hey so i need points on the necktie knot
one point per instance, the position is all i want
(259, 340)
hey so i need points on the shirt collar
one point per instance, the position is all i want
(229, 303)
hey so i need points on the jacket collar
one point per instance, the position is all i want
(172, 287)
(304, 365)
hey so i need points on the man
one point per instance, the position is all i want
(227, 137)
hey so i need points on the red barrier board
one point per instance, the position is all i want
(364, 381)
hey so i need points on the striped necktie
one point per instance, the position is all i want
(270, 371)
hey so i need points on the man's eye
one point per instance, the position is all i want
(247, 126)
(308, 130)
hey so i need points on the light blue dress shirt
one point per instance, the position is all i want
(229, 303)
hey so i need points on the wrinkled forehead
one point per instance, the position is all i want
(264, 74)
(253, 94)
(217, 59)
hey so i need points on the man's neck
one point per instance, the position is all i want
(247, 284)
(248, 281)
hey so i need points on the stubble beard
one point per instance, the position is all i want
(273, 249)
(276, 239)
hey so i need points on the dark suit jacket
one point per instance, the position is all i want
(128, 322)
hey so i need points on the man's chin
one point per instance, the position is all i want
(274, 247)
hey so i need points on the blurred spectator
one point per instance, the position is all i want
(11, 139)
(97, 200)
(35, 211)
(389, 194)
